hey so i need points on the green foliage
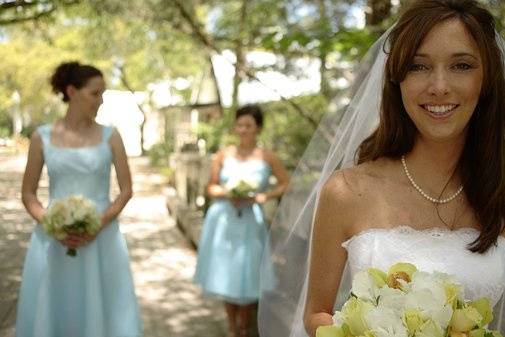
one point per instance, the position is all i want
(497, 8)
(110, 35)
(5, 132)
(148, 41)
(285, 132)
(5, 124)
(27, 131)
(217, 133)
(352, 44)
(27, 65)
(158, 154)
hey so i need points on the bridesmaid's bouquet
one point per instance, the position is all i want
(405, 302)
(72, 215)
(241, 187)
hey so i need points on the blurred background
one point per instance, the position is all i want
(176, 71)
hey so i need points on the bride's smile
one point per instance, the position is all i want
(443, 85)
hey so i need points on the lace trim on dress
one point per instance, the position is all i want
(468, 232)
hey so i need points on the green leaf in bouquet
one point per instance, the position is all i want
(330, 331)
(452, 294)
(353, 313)
(413, 319)
(466, 319)
(495, 333)
(430, 329)
(483, 306)
(484, 333)
(378, 276)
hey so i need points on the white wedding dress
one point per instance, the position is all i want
(435, 249)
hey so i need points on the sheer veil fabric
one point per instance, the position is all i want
(332, 147)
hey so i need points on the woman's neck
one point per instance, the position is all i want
(246, 145)
(434, 165)
(74, 119)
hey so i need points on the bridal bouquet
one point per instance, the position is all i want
(405, 302)
(72, 215)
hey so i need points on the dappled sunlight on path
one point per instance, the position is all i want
(163, 264)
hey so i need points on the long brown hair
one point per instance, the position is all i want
(482, 161)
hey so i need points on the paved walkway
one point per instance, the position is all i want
(162, 261)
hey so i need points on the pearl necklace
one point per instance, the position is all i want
(424, 194)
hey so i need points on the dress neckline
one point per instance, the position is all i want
(102, 131)
(406, 229)
(246, 160)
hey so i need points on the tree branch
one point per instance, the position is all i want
(206, 41)
(24, 5)
(17, 3)
(27, 18)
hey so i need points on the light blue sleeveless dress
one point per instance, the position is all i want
(232, 242)
(91, 294)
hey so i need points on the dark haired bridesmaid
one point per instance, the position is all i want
(90, 294)
(235, 232)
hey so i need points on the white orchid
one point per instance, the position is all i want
(364, 286)
(385, 322)
(394, 299)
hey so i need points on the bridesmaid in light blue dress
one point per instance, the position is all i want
(91, 294)
(234, 231)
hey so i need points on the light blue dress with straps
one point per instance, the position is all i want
(91, 294)
(233, 241)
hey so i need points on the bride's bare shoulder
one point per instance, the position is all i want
(348, 194)
(358, 180)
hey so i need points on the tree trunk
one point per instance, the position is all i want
(201, 36)
(323, 54)
(377, 11)
(239, 53)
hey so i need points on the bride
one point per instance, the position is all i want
(426, 187)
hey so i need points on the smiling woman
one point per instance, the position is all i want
(427, 186)
(442, 87)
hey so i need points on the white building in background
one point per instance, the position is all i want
(121, 110)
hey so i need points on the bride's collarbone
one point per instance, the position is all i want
(386, 209)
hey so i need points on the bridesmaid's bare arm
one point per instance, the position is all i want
(124, 178)
(214, 189)
(279, 173)
(31, 178)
